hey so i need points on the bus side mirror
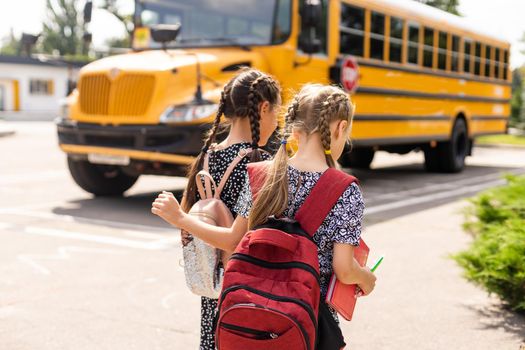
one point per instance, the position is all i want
(88, 10)
(311, 17)
(311, 13)
(310, 45)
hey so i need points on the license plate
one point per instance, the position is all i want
(97, 158)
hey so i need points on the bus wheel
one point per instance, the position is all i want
(359, 158)
(100, 180)
(449, 157)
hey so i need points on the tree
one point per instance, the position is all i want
(10, 45)
(516, 104)
(445, 5)
(112, 6)
(63, 28)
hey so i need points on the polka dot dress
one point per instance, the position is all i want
(218, 163)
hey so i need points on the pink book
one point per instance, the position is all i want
(343, 297)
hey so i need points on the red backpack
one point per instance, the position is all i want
(271, 294)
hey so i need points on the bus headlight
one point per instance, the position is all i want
(187, 113)
(63, 108)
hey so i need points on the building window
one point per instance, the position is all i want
(428, 48)
(454, 63)
(377, 36)
(396, 39)
(352, 30)
(442, 51)
(413, 43)
(41, 87)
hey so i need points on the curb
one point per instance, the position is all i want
(500, 145)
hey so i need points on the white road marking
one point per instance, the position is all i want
(76, 219)
(63, 253)
(5, 225)
(165, 302)
(432, 197)
(436, 187)
(161, 244)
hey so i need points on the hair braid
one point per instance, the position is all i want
(190, 195)
(216, 124)
(327, 109)
(290, 117)
(254, 98)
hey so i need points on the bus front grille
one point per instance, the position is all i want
(127, 95)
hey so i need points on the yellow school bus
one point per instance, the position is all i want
(422, 79)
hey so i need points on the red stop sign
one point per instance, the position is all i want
(349, 74)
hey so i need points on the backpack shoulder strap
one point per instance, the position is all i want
(228, 172)
(322, 199)
(257, 176)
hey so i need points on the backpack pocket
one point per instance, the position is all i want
(255, 327)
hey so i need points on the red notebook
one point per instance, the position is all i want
(342, 297)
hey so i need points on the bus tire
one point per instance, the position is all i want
(449, 157)
(455, 151)
(100, 180)
(359, 158)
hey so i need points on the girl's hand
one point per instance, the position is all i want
(368, 285)
(168, 208)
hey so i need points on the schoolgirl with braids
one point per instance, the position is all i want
(319, 118)
(250, 103)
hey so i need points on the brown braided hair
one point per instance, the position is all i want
(312, 110)
(240, 98)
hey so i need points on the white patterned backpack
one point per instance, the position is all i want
(201, 260)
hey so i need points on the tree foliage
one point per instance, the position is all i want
(112, 6)
(9, 45)
(445, 5)
(63, 28)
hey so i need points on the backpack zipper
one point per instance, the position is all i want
(301, 303)
(261, 335)
(275, 265)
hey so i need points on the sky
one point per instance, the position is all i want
(504, 17)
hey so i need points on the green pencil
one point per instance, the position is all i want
(376, 265)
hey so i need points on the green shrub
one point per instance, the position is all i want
(496, 257)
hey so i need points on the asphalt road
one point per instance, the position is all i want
(82, 272)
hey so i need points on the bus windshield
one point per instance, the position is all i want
(214, 23)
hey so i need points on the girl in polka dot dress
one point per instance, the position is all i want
(250, 102)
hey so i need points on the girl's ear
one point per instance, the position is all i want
(264, 108)
(341, 128)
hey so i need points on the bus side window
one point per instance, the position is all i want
(396, 39)
(442, 51)
(413, 43)
(455, 54)
(377, 36)
(477, 59)
(497, 63)
(468, 57)
(428, 48)
(506, 64)
(352, 30)
(488, 53)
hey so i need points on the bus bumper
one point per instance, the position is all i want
(155, 143)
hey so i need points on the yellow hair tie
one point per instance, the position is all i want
(327, 152)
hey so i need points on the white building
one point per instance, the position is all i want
(30, 84)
